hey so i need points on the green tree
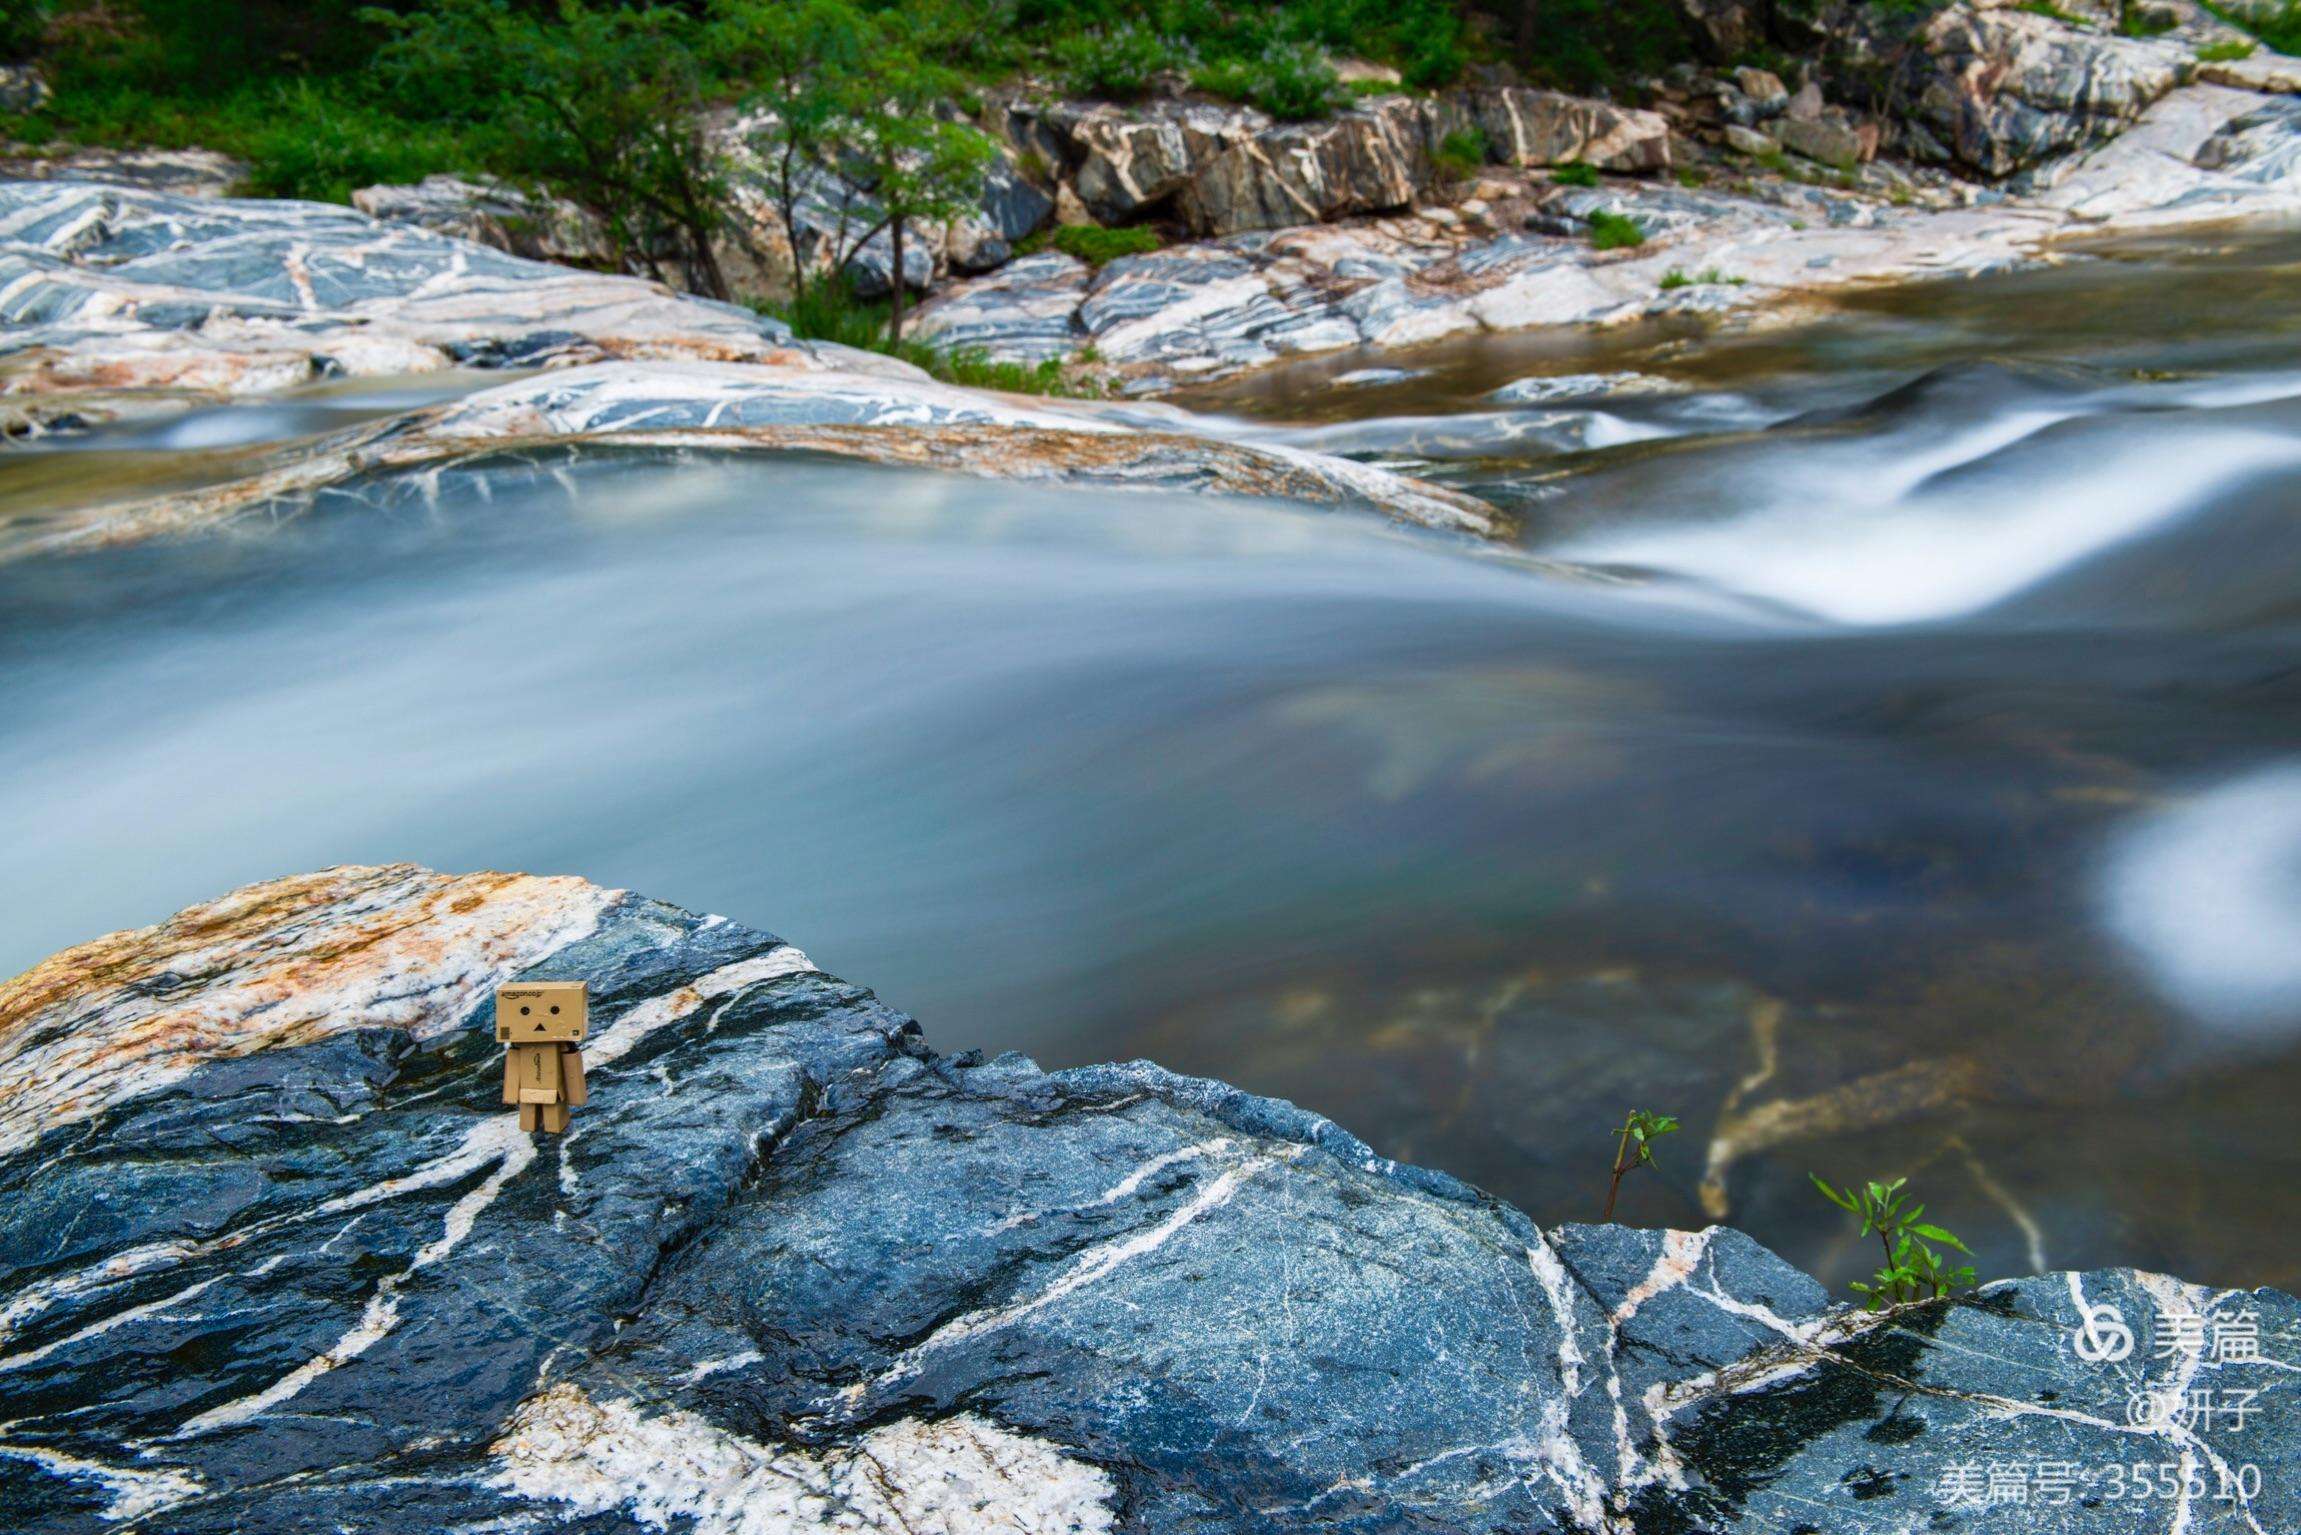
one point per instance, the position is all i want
(601, 105)
(805, 62)
(919, 169)
(846, 112)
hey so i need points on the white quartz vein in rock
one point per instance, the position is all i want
(1084, 1269)
(513, 1149)
(128, 1493)
(957, 1476)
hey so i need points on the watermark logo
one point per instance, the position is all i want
(2102, 1336)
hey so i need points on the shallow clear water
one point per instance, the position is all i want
(1916, 787)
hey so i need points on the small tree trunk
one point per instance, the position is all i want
(895, 279)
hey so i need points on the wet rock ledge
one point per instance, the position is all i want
(275, 1259)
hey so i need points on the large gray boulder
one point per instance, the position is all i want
(1126, 163)
(2000, 90)
(278, 1260)
(1533, 127)
(1368, 160)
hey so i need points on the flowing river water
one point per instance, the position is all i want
(1882, 750)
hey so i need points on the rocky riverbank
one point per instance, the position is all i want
(1895, 144)
(277, 1258)
(124, 301)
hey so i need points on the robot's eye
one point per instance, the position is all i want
(523, 1012)
(555, 1012)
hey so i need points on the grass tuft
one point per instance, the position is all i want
(1615, 231)
(1092, 243)
(830, 312)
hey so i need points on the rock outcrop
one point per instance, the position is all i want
(278, 1260)
(1222, 170)
(901, 418)
(108, 288)
(1518, 255)
(2002, 90)
(490, 213)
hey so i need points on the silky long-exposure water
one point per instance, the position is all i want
(1907, 780)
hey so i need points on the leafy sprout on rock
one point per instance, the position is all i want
(1912, 1271)
(1634, 1148)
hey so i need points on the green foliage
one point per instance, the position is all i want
(1583, 43)
(829, 311)
(1291, 81)
(598, 104)
(2226, 52)
(1693, 176)
(1634, 1148)
(1575, 174)
(1707, 277)
(1461, 153)
(1913, 1270)
(317, 142)
(2047, 9)
(2280, 27)
(1118, 63)
(1092, 243)
(22, 24)
(1615, 231)
(2144, 21)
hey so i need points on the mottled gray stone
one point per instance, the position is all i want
(792, 1270)
(1999, 89)
(116, 287)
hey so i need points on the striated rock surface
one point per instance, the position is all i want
(2003, 88)
(899, 418)
(491, 213)
(276, 1259)
(105, 287)
(1524, 258)
(1222, 170)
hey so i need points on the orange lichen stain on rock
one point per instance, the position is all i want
(276, 964)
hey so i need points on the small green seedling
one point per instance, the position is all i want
(1913, 1270)
(1634, 1148)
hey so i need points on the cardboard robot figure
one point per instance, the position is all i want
(543, 1023)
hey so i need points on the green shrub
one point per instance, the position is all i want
(2279, 28)
(317, 144)
(1092, 243)
(1461, 153)
(1581, 43)
(1120, 63)
(830, 311)
(1707, 277)
(1615, 231)
(22, 24)
(2226, 52)
(2135, 21)
(1291, 81)
(1575, 174)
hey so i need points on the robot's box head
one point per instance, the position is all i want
(542, 1012)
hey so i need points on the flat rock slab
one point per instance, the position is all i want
(672, 407)
(277, 1260)
(115, 287)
